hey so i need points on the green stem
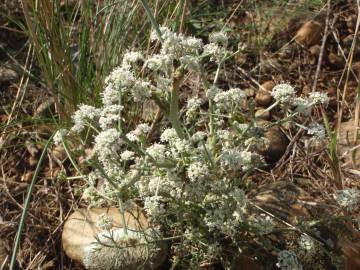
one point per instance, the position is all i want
(27, 203)
(174, 103)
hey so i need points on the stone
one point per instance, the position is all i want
(263, 95)
(284, 200)
(7, 75)
(346, 143)
(309, 34)
(278, 143)
(262, 114)
(86, 229)
(315, 50)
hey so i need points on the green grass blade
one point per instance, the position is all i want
(151, 18)
(26, 205)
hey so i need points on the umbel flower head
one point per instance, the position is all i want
(283, 93)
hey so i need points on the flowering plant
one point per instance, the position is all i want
(191, 179)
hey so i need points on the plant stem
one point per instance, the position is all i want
(174, 103)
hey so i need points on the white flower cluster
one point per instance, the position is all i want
(175, 46)
(287, 260)
(317, 131)
(153, 206)
(307, 244)
(233, 159)
(283, 93)
(192, 108)
(349, 198)
(233, 97)
(217, 48)
(83, 116)
(264, 224)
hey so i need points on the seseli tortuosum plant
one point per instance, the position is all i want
(190, 179)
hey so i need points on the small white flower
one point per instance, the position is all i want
(127, 155)
(157, 151)
(231, 159)
(153, 206)
(132, 137)
(83, 116)
(132, 58)
(59, 136)
(160, 62)
(197, 171)
(319, 98)
(219, 38)
(191, 62)
(120, 77)
(198, 136)
(164, 32)
(107, 142)
(264, 224)
(119, 80)
(307, 244)
(216, 52)
(109, 116)
(169, 135)
(349, 198)
(142, 129)
(141, 91)
(303, 105)
(234, 159)
(180, 147)
(317, 130)
(232, 97)
(212, 92)
(192, 107)
(287, 260)
(191, 45)
(284, 93)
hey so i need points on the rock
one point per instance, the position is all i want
(309, 34)
(85, 229)
(262, 114)
(268, 85)
(284, 200)
(7, 75)
(263, 96)
(278, 143)
(346, 143)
